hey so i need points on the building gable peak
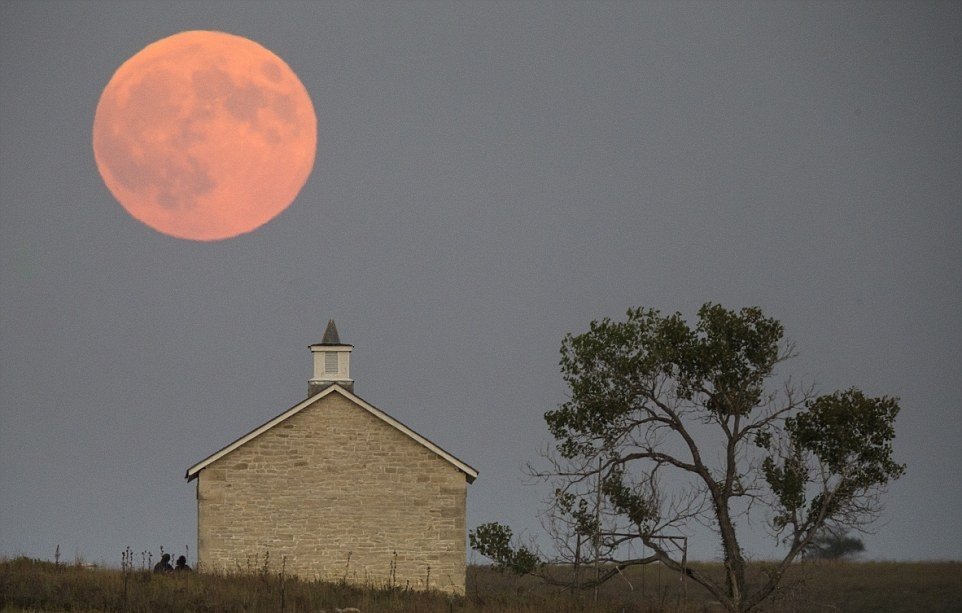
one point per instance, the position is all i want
(470, 473)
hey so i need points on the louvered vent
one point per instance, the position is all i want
(330, 362)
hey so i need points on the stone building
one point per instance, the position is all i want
(337, 489)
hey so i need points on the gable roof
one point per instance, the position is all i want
(469, 472)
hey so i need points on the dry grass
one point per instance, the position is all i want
(31, 585)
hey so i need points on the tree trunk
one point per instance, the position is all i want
(734, 562)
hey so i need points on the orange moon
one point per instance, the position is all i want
(204, 135)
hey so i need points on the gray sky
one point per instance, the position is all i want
(489, 176)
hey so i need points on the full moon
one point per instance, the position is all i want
(204, 135)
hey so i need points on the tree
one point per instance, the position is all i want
(830, 544)
(668, 426)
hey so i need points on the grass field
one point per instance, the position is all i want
(31, 585)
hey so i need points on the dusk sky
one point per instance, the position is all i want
(489, 176)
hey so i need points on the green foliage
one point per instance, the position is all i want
(788, 482)
(851, 435)
(493, 541)
(639, 508)
(733, 354)
(615, 368)
(584, 521)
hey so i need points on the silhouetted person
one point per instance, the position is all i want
(164, 565)
(181, 564)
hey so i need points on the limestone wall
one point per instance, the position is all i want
(341, 495)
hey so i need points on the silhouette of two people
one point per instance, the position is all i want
(164, 565)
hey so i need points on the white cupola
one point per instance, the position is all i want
(332, 362)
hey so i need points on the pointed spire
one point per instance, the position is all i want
(330, 334)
